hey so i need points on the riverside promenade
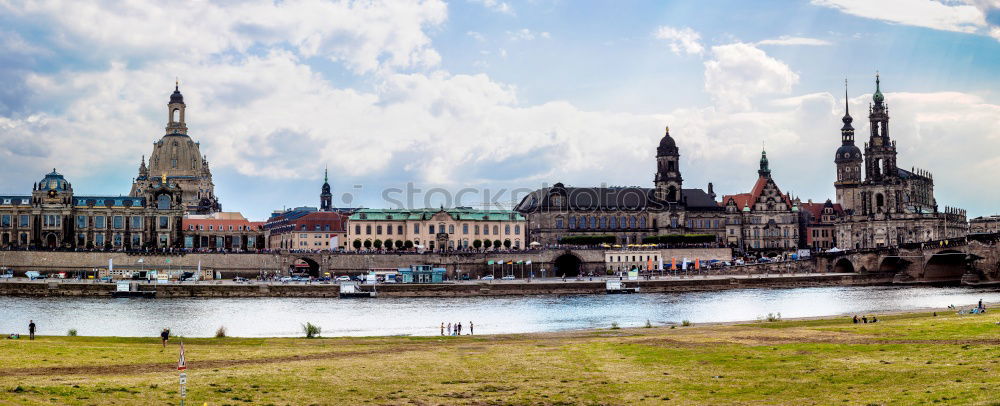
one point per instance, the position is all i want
(537, 286)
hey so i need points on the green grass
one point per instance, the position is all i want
(903, 359)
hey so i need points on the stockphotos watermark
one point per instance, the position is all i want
(543, 198)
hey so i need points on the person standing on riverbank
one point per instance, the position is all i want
(471, 328)
(442, 328)
(164, 336)
(449, 328)
(31, 329)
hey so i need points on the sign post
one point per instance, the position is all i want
(182, 366)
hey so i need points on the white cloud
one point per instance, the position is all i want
(680, 40)
(788, 40)
(525, 34)
(476, 36)
(967, 16)
(365, 36)
(494, 5)
(737, 72)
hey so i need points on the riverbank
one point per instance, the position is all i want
(829, 360)
(550, 286)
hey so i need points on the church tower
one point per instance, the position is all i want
(765, 170)
(848, 161)
(668, 179)
(175, 111)
(880, 151)
(325, 197)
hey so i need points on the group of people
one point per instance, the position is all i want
(456, 329)
(31, 332)
(865, 319)
(979, 309)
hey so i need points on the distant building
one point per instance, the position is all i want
(765, 220)
(985, 225)
(628, 213)
(890, 205)
(306, 229)
(818, 223)
(53, 216)
(176, 159)
(436, 229)
(223, 231)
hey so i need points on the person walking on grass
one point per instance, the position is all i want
(164, 336)
(471, 328)
(31, 329)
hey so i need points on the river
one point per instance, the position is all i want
(275, 317)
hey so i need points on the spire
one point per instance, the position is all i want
(764, 170)
(326, 176)
(878, 97)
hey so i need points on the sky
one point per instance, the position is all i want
(428, 103)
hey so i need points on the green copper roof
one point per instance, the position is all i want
(468, 214)
(877, 97)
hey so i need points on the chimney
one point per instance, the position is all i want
(711, 192)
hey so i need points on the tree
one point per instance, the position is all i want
(477, 244)
(378, 243)
(388, 243)
(487, 244)
(399, 244)
(357, 244)
(368, 244)
(506, 244)
(588, 239)
(408, 244)
(496, 244)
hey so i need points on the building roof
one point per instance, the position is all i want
(221, 224)
(746, 200)
(15, 200)
(458, 213)
(328, 221)
(109, 201)
(610, 198)
(816, 209)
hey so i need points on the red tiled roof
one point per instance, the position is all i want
(220, 224)
(746, 199)
(816, 209)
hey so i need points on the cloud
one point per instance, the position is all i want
(680, 40)
(788, 40)
(737, 72)
(494, 5)
(525, 34)
(957, 16)
(476, 36)
(365, 36)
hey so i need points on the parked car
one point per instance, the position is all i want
(32, 275)
(7, 275)
(487, 278)
(286, 279)
(343, 278)
(508, 277)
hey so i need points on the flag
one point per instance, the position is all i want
(673, 264)
(697, 264)
(181, 364)
(528, 262)
(140, 260)
(490, 262)
(199, 269)
(111, 265)
(510, 262)
(661, 264)
(649, 263)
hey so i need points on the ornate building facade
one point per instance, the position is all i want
(176, 159)
(889, 205)
(628, 213)
(53, 216)
(765, 220)
(436, 229)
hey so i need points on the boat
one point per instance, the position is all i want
(351, 290)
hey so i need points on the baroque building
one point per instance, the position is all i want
(176, 159)
(765, 220)
(889, 205)
(628, 213)
(53, 216)
(436, 229)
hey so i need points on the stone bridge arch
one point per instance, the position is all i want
(312, 265)
(843, 265)
(945, 265)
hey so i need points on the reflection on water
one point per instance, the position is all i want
(268, 317)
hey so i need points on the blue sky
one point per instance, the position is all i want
(491, 94)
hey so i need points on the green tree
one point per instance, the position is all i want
(368, 244)
(496, 244)
(477, 244)
(408, 244)
(399, 244)
(357, 244)
(388, 243)
(487, 244)
(506, 244)
(378, 243)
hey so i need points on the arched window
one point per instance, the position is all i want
(378, 230)
(631, 222)
(572, 222)
(604, 222)
(496, 230)
(451, 229)
(368, 229)
(614, 222)
(517, 229)
(506, 229)
(559, 223)
(593, 222)
(163, 202)
(642, 222)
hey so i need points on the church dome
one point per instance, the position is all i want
(847, 153)
(667, 144)
(53, 181)
(176, 96)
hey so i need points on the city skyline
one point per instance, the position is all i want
(423, 97)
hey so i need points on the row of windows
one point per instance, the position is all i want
(116, 222)
(440, 228)
(634, 258)
(463, 243)
(605, 222)
(201, 227)
(703, 223)
(7, 219)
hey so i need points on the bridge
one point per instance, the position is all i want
(974, 260)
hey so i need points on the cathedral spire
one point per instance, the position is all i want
(764, 171)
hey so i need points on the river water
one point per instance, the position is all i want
(272, 317)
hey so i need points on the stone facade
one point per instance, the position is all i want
(53, 216)
(985, 225)
(765, 220)
(436, 229)
(891, 205)
(230, 232)
(817, 225)
(177, 160)
(628, 213)
(306, 229)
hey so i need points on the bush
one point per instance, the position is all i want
(679, 239)
(71, 332)
(588, 239)
(221, 332)
(685, 323)
(311, 330)
(614, 325)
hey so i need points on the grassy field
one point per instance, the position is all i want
(902, 360)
